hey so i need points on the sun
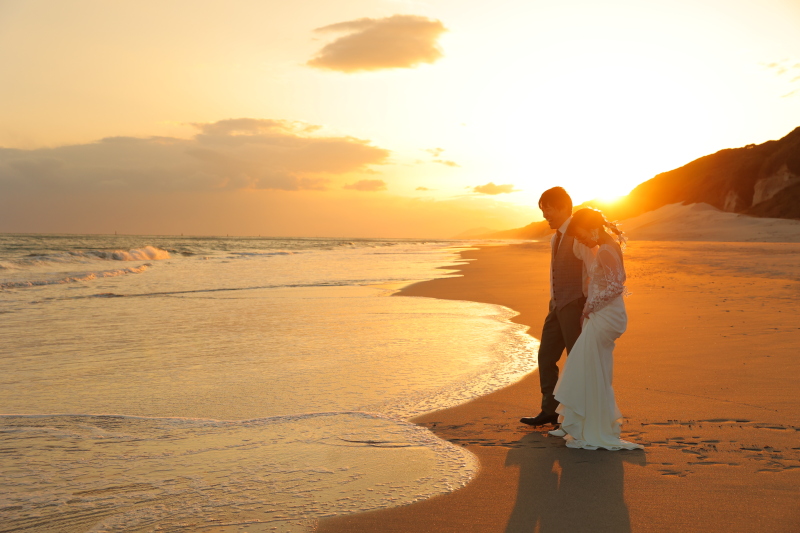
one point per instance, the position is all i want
(611, 198)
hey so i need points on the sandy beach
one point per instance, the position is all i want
(706, 376)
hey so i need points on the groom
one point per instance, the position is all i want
(569, 263)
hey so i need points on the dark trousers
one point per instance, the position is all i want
(561, 329)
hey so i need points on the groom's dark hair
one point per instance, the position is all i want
(556, 197)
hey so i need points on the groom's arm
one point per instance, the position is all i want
(552, 295)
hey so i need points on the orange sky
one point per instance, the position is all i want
(402, 118)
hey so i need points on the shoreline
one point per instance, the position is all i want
(717, 457)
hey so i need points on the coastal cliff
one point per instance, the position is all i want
(744, 180)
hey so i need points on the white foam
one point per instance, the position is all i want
(261, 254)
(146, 253)
(84, 276)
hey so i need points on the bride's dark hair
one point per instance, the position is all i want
(590, 218)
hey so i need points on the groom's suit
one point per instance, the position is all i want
(569, 265)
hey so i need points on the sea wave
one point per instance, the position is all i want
(260, 254)
(181, 475)
(145, 253)
(83, 276)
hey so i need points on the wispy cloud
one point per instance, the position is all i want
(491, 188)
(243, 153)
(792, 69)
(423, 189)
(779, 68)
(400, 41)
(436, 152)
(367, 185)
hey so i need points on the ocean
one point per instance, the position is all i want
(220, 384)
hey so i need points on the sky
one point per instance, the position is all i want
(370, 118)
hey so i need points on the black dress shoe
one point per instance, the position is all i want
(540, 419)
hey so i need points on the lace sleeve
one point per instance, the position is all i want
(614, 275)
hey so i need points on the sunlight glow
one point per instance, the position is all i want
(595, 97)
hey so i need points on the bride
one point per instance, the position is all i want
(588, 413)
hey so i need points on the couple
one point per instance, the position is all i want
(587, 314)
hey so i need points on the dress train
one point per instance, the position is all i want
(588, 412)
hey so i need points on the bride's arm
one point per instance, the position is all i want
(614, 275)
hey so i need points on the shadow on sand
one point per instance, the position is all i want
(561, 489)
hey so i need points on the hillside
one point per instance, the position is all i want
(738, 180)
(758, 180)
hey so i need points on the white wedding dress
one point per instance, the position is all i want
(589, 416)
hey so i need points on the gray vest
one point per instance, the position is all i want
(567, 273)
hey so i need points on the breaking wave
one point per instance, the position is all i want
(146, 253)
(260, 254)
(84, 276)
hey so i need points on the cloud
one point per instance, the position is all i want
(782, 67)
(250, 126)
(436, 152)
(491, 188)
(785, 66)
(367, 185)
(779, 69)
(424, 189)
(229, 154)
(400, 41)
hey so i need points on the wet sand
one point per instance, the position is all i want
(707, 376)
